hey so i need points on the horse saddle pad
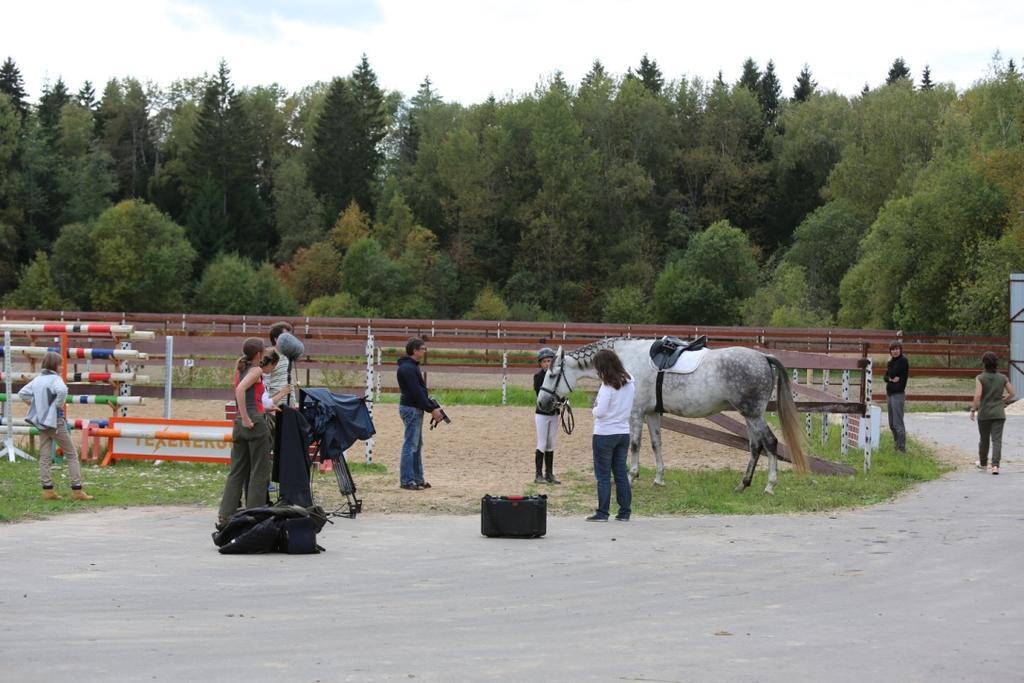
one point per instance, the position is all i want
(670, 354)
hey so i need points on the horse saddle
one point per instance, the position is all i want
(665, 352)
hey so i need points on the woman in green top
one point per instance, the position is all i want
(992, 391)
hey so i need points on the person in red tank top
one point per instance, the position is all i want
(250, 447)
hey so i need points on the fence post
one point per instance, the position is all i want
(369, 391)
(844, 446)
(810, 417)
(168, 374)
(504, 378)
(866, 422)
(824, 416)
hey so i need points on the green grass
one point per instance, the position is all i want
(516, 396)
(128, 483)
(932, 407)
(713, 491)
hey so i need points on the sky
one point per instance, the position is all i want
(471, 49)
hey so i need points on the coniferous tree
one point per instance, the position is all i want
(1011, 67)
(224, 208)
(926, 78)
(650, 75)
(123, 125)
(865, 90)
(769, 90)
(751, 75)
(371, 122)
(333, 171)
(411, 128)
(50, 104)
(597, 74)
(805, 85)
(13, 86)
(87, 96)
(898, 70)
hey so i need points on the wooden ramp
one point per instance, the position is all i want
(736, 436)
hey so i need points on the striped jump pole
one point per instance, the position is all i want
(98, 399)
(77, 352)
(127, 331)
(86, 377)
(81, 423)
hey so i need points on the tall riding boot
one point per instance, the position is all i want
(549, 463)
(539, 462)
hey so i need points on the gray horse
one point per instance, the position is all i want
(731, 378)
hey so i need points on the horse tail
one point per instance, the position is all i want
(788, 416)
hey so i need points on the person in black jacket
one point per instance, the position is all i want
(414, 402)
(547, 425)
(896, 373)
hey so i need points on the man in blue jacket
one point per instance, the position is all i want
(414, 402)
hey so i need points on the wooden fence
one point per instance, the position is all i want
(468, 346)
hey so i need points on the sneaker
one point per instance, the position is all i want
(423, 484)
(980, 465)
(551, 479)
(596, 518)
(621, 518)
(411, 487)
(539, 479)
(995, 469)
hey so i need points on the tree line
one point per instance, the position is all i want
(632, 198)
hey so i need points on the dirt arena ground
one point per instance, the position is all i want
(483, 450)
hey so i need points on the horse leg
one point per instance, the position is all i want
(755, 450)
(636, 437)
(654, 427)
(756, 428)
(770, 445)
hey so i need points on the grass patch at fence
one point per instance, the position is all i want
(515, 396)
(689, 492)
(128, 483)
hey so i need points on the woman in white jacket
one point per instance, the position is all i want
(46, 395)
(611, 435)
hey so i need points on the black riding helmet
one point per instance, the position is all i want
(545, 352)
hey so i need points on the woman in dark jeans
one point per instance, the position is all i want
(611, 435)
(992, 390)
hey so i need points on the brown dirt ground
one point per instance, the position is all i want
(483, 450)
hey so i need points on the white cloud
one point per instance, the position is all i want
(472, 49)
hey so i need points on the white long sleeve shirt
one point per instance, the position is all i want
(612, 409)
(46, 393)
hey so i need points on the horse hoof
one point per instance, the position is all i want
(658, 482)
(741, 487)
(769, 492)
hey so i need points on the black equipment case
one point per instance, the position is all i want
(514, 516)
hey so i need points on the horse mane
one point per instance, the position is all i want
(584, 356)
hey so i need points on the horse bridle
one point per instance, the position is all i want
(562, 404)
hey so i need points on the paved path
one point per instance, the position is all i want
(926, 588)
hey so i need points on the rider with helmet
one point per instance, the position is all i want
(547, 425)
